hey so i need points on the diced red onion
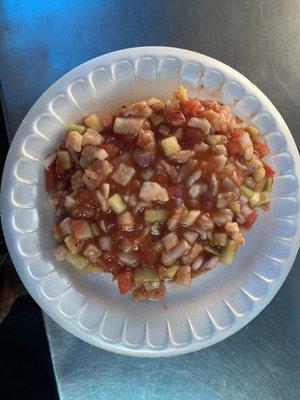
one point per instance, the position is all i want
(211, 262)
(144, 159)
(177, 191)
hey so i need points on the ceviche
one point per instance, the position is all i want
(160, 191)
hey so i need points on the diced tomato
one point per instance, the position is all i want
(148, 255)
(250, 220)
(236, 133)
(262, 149)
(210, 115)
(125, 282)
(207, 204)
(192, 107)
(111, 149)
(192, 136)
(269, 171)
(161, 177)
(50, 179)
(234, 147)
(176, 118)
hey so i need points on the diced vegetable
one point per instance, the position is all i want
(158, 246)
(81, 229)
(172, 271)
(170, 257)
(60, 252)
(228, 252)
(254, 200)
(220, 239)
(270, 172)
(105, 243)
(74, 141)
(259, 186)
(254, 132)
(125, 282)
(234, 147)
(152, 191)
(72, 244)
(235, 207)
(117, 203)
(74, 127)
(156, 119)
(248, 153)
(65, 226)
(269, 185)
(259, 174)
(93, 122)
(92, 252)
(170, 145)
(264, 198)
(180, 93)
(246, 191)
(170, 240)
(147, 174)
(126, 221)
(142, 276)
(250, 220)
(155, 215)
(131, 126)
(183, 276)
(211, 250)
(92, 138)
(262, 149)
(211, 262)
(77, 261)
(200, 123)
(64, 161)
(214, 139)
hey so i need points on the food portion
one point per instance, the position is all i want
(161, 191)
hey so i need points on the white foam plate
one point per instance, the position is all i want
(89, 306)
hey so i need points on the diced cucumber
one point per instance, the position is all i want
(172, 271)
(259, 187)
(117, 203)
(64, 161)
(93, 122)
(254, 200)
(211, 250)
(264, 198)
(248, 153)
(228, 252)
(253, 131)
(220, 239)
(155, 215)
(246, 191)
(77, 261)
(158, 246)
(235, 207)
(156, 119)
(170, 145)
(269, 185)
(214, 139)
(74, 127)
(147, 174)
(91, 268)
(142, 275)
(259, 174)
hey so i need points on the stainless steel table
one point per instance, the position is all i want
(42, 40)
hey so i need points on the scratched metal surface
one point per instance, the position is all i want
(39, 42)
